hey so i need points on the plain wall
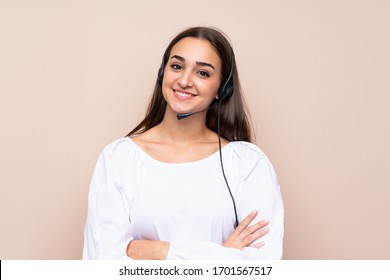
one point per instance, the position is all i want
(77, 74)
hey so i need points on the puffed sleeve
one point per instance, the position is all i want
(259, 190)
(108, 229)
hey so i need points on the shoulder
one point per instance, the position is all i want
(247, 158)
(119, 146)
(119, 158)
(118, 152)
(246, 150)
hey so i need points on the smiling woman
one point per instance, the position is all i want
(187, 183)
(191, 81)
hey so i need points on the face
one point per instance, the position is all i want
(192, 76)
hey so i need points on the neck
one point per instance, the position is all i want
(191, 129)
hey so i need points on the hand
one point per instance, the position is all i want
(244, 235)
(147, 250)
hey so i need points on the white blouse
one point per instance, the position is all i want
(134, 196)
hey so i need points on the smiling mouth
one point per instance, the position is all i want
(183, 94)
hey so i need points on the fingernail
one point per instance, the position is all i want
(254, 212)
(263, 223)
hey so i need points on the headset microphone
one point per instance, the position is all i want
(185, 115)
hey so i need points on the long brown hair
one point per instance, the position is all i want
(233, 116)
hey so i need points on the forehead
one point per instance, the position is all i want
(194, 49)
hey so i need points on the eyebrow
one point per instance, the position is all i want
(200, 63)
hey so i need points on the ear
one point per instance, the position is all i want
(216, 97)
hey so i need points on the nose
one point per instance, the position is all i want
(185, 79)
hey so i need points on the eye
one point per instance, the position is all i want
(204, 73)
(176, 66)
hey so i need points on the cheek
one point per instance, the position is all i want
(210, 88)
(207, 86)
(167, 80)
(166, 83)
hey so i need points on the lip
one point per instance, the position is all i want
(183, 95)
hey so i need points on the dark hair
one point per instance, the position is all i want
(234, 120)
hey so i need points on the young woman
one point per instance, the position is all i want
(187, 183)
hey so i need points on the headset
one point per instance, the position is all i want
(225, 91)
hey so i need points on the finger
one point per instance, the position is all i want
(255, 236)
(235, 239)
(257, 226)
(245, 222)
(253, 228)
(258, 245)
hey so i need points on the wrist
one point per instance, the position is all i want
(164, 249)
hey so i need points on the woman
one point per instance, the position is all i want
(187, 183)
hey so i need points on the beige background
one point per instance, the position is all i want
(77, 74)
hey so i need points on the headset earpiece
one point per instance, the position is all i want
(227, 88)
(226, 91)
(161, 74)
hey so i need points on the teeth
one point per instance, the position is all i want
(183, 94)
